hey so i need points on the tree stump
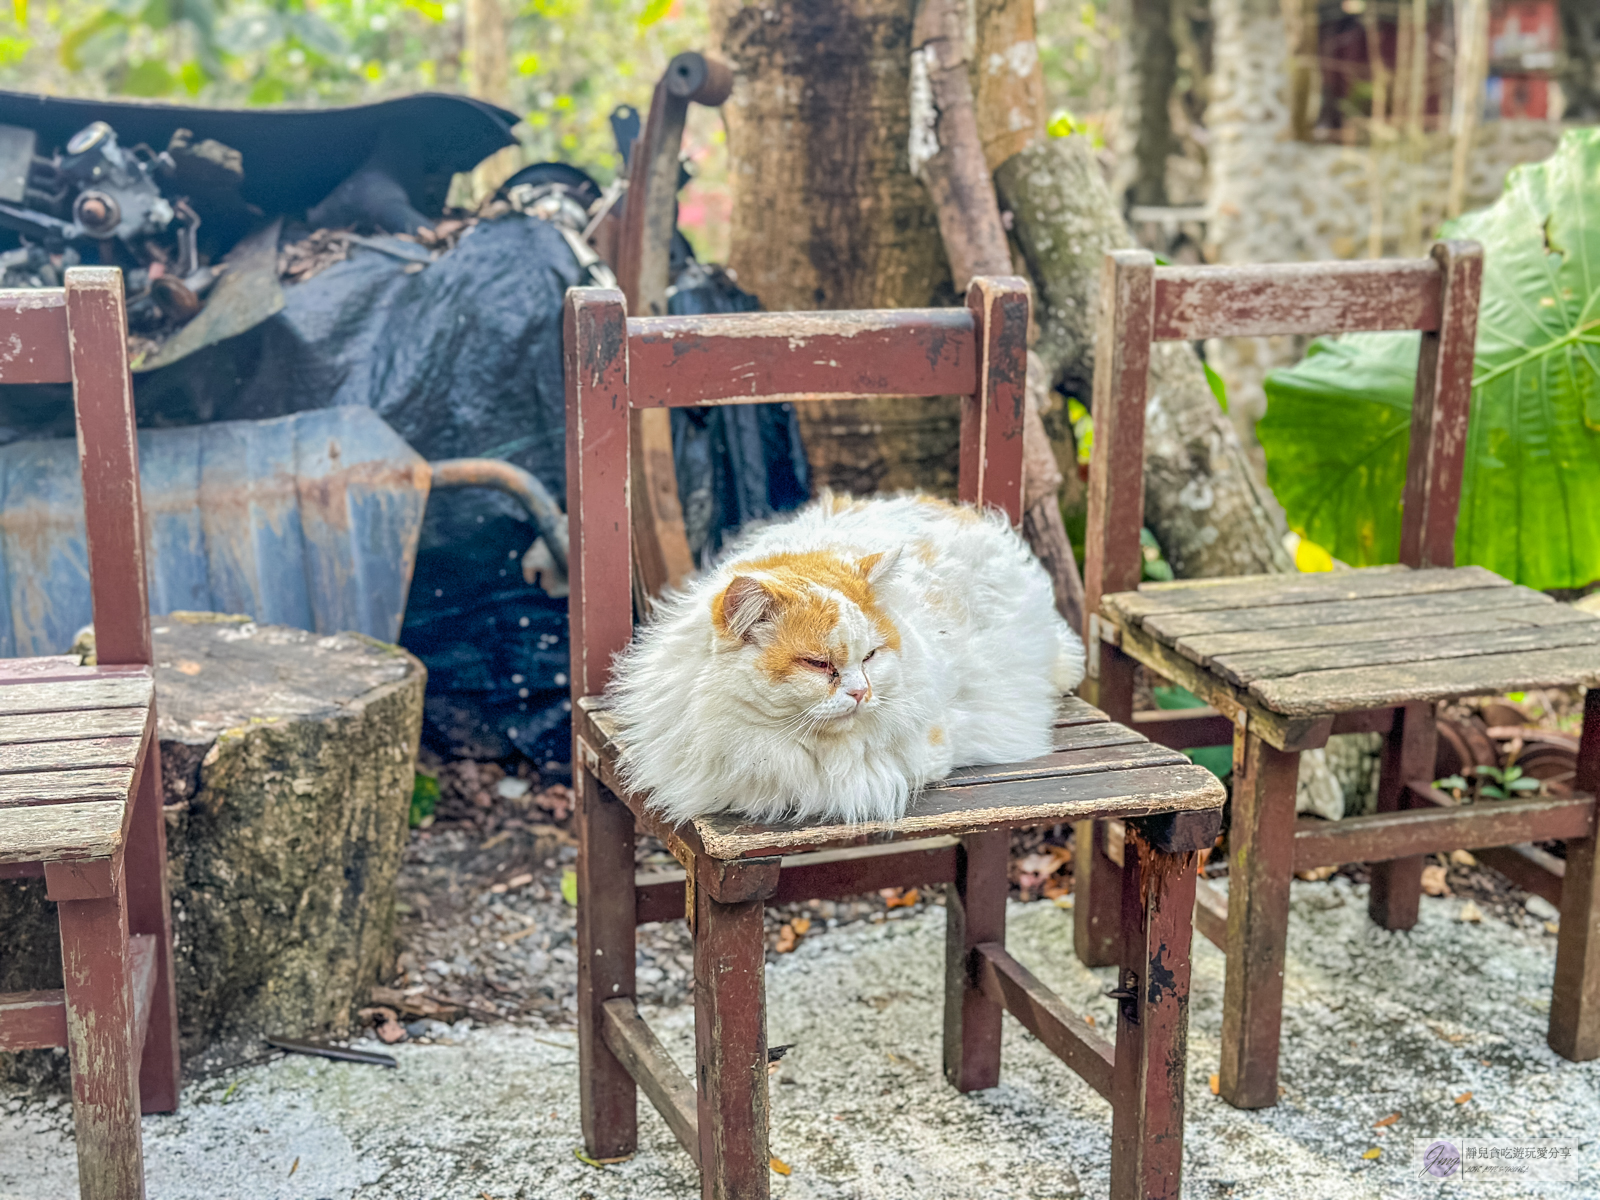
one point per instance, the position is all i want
(287, 760)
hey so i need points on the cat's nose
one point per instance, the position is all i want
(859, 694)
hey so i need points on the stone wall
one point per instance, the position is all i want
(1276, 199)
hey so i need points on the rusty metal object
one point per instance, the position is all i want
(650, 218)
(523, 486)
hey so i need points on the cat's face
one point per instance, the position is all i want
(809, 642)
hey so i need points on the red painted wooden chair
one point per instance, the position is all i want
(731, 869)
(80, 773)
(1285, 661)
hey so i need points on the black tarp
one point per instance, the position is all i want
(463, 359)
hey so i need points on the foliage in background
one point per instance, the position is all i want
(572, 61)
(1337, 429)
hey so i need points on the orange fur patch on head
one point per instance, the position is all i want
(803, 618)
(926, 552)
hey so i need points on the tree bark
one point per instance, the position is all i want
(827, 214)
(486, 45)
(1580, 42)
(287, 762)
(1203, 501)
(1147, 72)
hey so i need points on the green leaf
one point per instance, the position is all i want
(251, 32)
(569, 886)
(1524, 785)
(424, 798)
(1218, 388)
(653, 12)
(315, 34)
(98, 39)
(147, 78)
(1337, 429)
(1448, 783)
(1216, 759)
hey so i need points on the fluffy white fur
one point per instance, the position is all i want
(708, 726)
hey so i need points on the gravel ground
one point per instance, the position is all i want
(1376, 1024)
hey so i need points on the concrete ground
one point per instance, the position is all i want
(1375, 1024)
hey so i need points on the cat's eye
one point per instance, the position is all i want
(872, 655)
(818, 664)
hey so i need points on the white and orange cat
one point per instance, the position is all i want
(832, 665)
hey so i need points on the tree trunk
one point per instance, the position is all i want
(1147, 71)
(827, 214)
(287, 762)
(486, 48)
(1580, 42)
(1202, 498)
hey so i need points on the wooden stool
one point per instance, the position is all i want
(80, 773)
(732, 869)
(1287, 660)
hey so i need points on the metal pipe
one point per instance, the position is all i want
(521, 485)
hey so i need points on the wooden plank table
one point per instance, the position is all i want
(1292, 659)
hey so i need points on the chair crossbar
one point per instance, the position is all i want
(1296, 298)
(33, 336)
(1065, 1034)
(1439, 825)
(682, 362)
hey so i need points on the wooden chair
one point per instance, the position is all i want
(1285, 661)
(732, 869)
(80, 773)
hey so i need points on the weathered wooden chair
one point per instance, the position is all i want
(1285, 661)
(731, 869)
(80, 775)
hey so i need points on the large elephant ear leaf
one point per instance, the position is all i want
(1337, 429)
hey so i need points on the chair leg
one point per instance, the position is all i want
(1395, 897)
(150, 912)
(1153, 1024)
(975, 912)
(1260, 865)
(607, 1095)
(1575, 1000)
(100, 1043)
(1096, 897)
(730, 1035)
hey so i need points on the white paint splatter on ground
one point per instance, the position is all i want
(1376, 1023)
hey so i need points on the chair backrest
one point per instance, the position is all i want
(79, 335)
(1141, 303)
(616, 363)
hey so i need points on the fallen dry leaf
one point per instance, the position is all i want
(1463, 858)
(787, 939)
(1433, 882)
(1088, 1019)
(1389, 1120)
(900, 897)
(519, 881)
(1316, 874)
(1471, 912)
(1373, 1153)
(1464, 1097)
(520, 934)
(1216, 1085)
(187, 666)
(802, 926)
(296, 1165)
(781, 1167)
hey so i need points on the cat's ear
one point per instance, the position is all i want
(740, 607)
(876, 568)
